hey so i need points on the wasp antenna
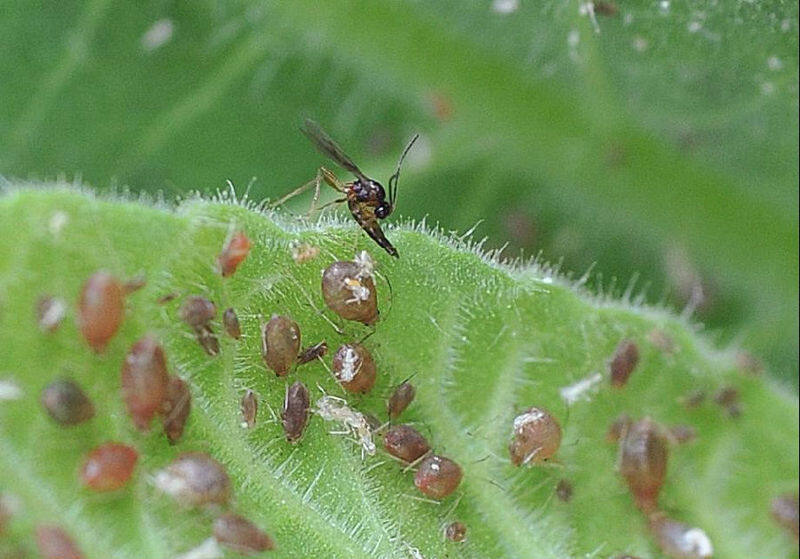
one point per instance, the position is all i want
(396, 176)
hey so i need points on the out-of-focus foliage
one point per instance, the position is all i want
(661, 141)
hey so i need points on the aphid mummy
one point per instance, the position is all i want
(643, 462)
(295, 411)
(50, 313)
(679, 540)
(623, 363)
(249, 407)
(195, 479)
(144, 381)
(231, 323)
(400, 399)
(109, 467)
(54, 543)
(455, 532)
(784, 511)
(405, 443)
(331, 408)
(354, 368)
(175, 408)
(233, 254)
(100, 309)
(536, 436)
(437, 476)
(350, 292)
(66, 402)
(241, 535)
(280, 344)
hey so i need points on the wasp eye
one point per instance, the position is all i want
(382, 211)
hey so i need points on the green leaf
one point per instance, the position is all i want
(483, 340)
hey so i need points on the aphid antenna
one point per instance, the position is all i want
(452, 507)
(421, 499)
(366, 336)
(321, 312)
(416, 462)
(479, 460)
(490, 481)
(381, 427)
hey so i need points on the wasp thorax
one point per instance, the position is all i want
(405, 443)
(455, 532)
(100, 309)
(109, 467)
(280, 344)
(194, 479)
(233, 253)
(54, 543)
(175, 408)
(144, 381)
(679, 540)
(66, 402)
(400, 399)
(231, 323)
(623, 363)
(295, 411)
(50, 313)
(785, 512)
(241, 535)
(536, 437)
(349, 290)
(438, 476)
(354, 368)
(643, 462)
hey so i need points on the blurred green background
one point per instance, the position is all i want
(657, 143)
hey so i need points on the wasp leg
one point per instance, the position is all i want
(315, 182)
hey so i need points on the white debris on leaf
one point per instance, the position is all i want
(57, 222)
(209, 549)
(640, 44)
(9, 390)
(580, 390)
(531, 416)
(505, 6)
(331, 408)
(698, 543)
(157, 35)
(303, 252)
(587, 9)
(774, 63)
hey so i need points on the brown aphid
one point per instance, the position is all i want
(455, 532)
(195, 479)
(749, 363)
(626, 356)
(280, 343)
(208, 340)
(536, 437)
(605, 8)
(50, 313)
(354, 368)
(349, 291)
(728, 398)
(679, 540)
(295, 411)
(100, 309)
(564, 491)
(54, 543)
(405, 443)
(643, 462)
(682, 433)
(134, 284)
(109, 467)
(616, 429)
(784, 510)
(400, 399)
(197, 312)
(303, 252)
(231, 323)
(144, 381)
(175, 408)
(66, 402)
(312, 353)
(166, 298)
(661, 340)
(239, 534)
(437, 476)
(233, 253)
(694, 399)
(249, 407)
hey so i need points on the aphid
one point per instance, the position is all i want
(316, 351)
(109, 467)
(784, 510)
(249, 407)
(241, 535)
(679, 540)
(54, 543)
(331, 408)
(694, 399)
(280, 343)
(536, 437)
(144, 381)
(100, 309)
(9, 506)
(728, 398)
(303, 252)
(195, 479)
(175, 408)
(66, 402)
(233, 253)
(166, 298)
(605, 8)
(295, 411)
(643, 462)
(208, 340)
(231, 323)
(749, 363)
(405, 443)
(197, 312)
(400, 399)
(354, 368)
(455, 532)
(623, 363)
(564, 491)
(618, 428)
(366, 198)
(661, 340)
(682, 433)
(437, 476)
(134, 284)
(50, 313)
(349, 291)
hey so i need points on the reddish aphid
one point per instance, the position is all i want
(295, 411)
(241, 535)
(405, 443)
(280, 344)
(564, 491)
(605, 8)
(175, 408)
(312, 353)
(643, 462)
(109, 467)
(349, 291)
(100, 309)
(197, 311)
(54, 543)
(455, 532)
(623, 363)
(144, 381)
(233, 253)
(728, 398)
(400, 399)
(231, 323)
(536, 437)
(354, 368)
(195, 479)
(784, 510)
(438, 476)
(66, 402)
(50, 313)
(249, 407)
(618, 428)
(679, 540)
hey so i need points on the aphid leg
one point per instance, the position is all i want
(413, 464)
(321, 312)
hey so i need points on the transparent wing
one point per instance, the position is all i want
(328, 147)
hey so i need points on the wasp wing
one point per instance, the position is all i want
(328, 147)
